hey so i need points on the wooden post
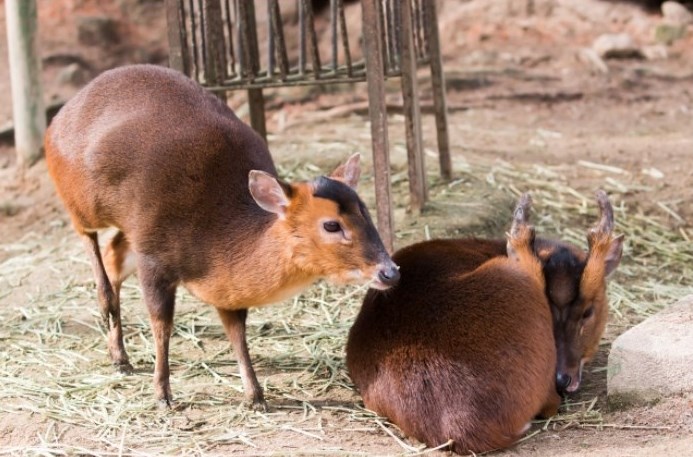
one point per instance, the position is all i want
(438, 83)
(28, 108)
(251, 56)
(375, 74)
(418, 188)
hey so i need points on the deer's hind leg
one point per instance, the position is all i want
(108, 278)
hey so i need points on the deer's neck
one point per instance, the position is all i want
(255, 272)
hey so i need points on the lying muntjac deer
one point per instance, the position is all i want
(195, 197)
(465, 347)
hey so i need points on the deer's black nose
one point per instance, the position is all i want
(562, 381)
(389, 275)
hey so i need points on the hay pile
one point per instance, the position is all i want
(55, 373)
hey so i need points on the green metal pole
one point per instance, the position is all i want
(28, 109)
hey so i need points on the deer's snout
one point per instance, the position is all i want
(385, 275)
(568, 382)
(562, 381)
(389, 275)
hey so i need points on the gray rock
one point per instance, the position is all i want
(619, 45)
(653, 359)
(676, 14)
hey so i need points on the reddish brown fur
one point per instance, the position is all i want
(458, 351)
(426, 353)
(146, 150)
(574, 287)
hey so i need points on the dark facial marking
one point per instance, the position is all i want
(338, 192)
(563, 271)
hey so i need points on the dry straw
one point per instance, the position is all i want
(55, 377)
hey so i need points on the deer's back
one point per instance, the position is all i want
(145, 149)
(455, 351)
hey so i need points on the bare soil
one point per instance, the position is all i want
(518, 92)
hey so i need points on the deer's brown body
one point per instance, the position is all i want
(465, 347)
(194, 194)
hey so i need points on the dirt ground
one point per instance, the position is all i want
(520, 95)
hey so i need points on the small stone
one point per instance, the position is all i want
(620, 45)
(654, 359)
(668, 33)
(676, 14)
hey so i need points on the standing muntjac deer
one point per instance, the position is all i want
(458, 349)
(194, 195)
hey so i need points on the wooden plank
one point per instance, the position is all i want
(373, 48)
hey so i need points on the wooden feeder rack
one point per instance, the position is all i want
(215, 42)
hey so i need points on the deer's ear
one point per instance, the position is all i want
(349, 172)
(267, 192)
(613, 255)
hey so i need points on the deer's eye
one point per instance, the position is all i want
(588, 312)
(332, 226)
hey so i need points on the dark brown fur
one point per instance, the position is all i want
(458, 350)
(194, 194)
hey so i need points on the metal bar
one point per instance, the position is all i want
(256, 104)
(185, 46)
(281, 43)
(242, 58)
(175, 27)
(345, 37)
(383, 36)
(377, 109)
(334, 24)
(256, 100)
(310, 24)
(270, 39)
(391, 34)
(293, 80)
(195, 69)
(214, 38)
(248, 67)
(252, 35)
(418, 42)
(424, 11)
(438, 85)
(418, 189)
(203, 39)
(397, 35)
(301, 37)
(229, 29)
